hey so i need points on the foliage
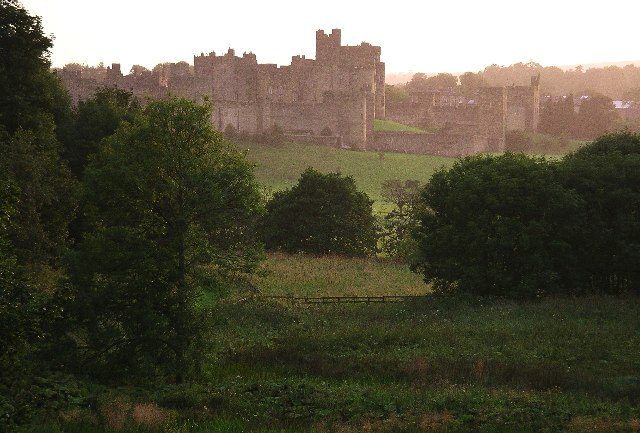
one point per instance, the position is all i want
(421, 82)
(395, 94)
(45, 198)
(471, 83)
(172, 209)
(558, 117)
(274, 135)
(456, 365)
(494, 226)
(24, 68)
(595, 117)
(96, 118)
(611, 81)
(322, 214)
(400, 222)
(606, 174)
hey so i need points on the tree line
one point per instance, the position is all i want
(524, 227)
(614, 82)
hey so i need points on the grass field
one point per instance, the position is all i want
(302, 275)
(279, 167)
(434, 365)
(391, 126)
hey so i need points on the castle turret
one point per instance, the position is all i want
(328, 46)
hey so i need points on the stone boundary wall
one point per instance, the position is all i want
(443, 144)
(331, 141)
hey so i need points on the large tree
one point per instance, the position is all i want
(171, 209)
(606, 174)
(322, 214)
(558, 117)
(33, 109)
(29, 92)
(96, 118)
(495, 226)
(596, 116)
(36, 203)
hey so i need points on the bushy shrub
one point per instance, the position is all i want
(322, 214)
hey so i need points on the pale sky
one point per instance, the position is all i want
(419, 36)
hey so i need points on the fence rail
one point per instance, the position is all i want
(344, 299)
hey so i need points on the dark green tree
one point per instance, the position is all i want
(172, 209)
(46, 200)
(322, 214)
(24, 68)
(36, 204)
(606, 174)
(33, 109)
(97, 118)
(595, 117)
(558, 118)
(495, 226)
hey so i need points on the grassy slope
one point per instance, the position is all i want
(391, 126)
(279, 167)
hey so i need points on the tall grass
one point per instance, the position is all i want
(302, 275)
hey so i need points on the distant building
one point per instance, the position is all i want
(341, 92)
(332, 99)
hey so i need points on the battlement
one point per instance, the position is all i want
(342, 90)
(329, 50)
(205, 64)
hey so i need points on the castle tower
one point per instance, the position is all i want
(523, 106)
(492, 117)
(535, 100)
(328, 46)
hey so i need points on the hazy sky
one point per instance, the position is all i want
(425, 36)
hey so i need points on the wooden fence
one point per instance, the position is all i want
(344, 299)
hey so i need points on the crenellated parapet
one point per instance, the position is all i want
(340, 91)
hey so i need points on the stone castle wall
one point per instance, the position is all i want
(442, 143)
(493, 112)
(337, 94)
(341, 91)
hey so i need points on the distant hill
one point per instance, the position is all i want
(279, 166)
(404, 77)
(601, 65)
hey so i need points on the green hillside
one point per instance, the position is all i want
(391, 126)
(279, 167)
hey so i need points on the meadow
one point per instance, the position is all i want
(279, 166)
(427, 365)
(435, 364)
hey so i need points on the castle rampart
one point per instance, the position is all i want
(337, 94)
(341, 91)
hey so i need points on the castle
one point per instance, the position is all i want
(333, 99)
